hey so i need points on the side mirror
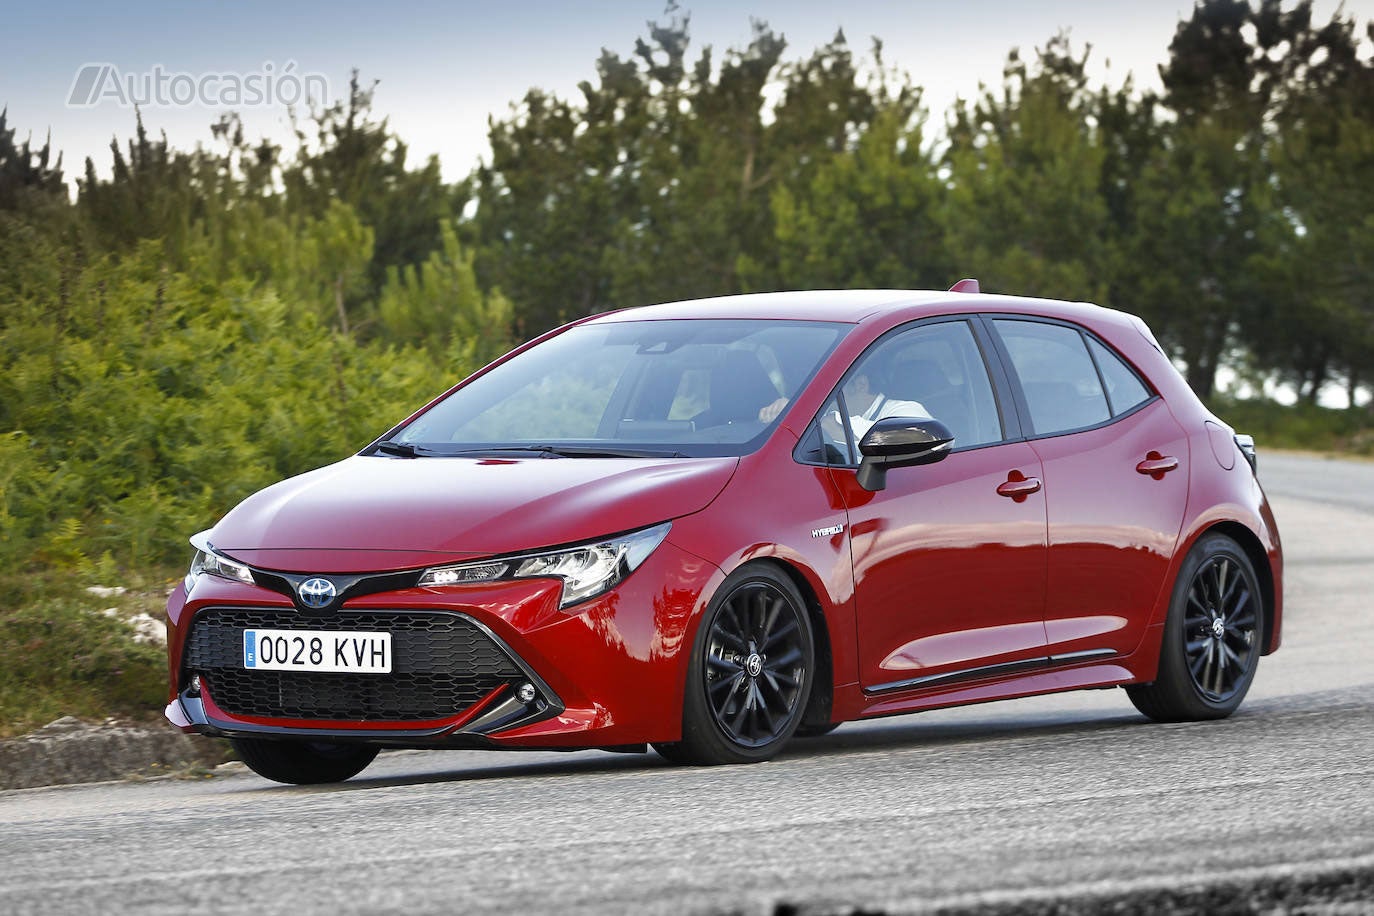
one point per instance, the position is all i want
(899, 442)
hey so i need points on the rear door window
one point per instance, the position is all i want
(1058, 377)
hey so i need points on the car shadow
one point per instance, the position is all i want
(911, 733)
(851, 738)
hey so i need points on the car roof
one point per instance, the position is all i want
(847, 305)
(854, 306)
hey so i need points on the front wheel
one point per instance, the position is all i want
(750, 673)
(1212, 637)
(303, 762)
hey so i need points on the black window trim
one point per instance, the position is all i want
(1018, 395)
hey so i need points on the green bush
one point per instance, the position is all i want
(138, 404)
(1300, 426)
(142, 405)
(64, 657)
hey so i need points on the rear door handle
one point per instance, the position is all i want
(1019, 486)
(1157, 465)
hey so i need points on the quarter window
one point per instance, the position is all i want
(1124, 389)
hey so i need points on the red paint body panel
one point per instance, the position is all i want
(793, 500)
(1112, 529)
(435, 511)
(937, 574)
(949, 574)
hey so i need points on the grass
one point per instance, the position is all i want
(64, 656)
(1305, 427)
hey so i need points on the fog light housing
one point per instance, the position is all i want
(526, 693)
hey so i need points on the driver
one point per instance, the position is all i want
(866, 406)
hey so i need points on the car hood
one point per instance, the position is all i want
(371, 512)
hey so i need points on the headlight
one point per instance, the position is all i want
(587, 570)
(208, 562)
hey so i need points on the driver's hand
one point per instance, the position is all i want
(770, 413)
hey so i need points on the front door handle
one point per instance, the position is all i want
(1157, 465)
(1019, 486)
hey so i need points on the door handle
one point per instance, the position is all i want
(1018, 486)
(1157, 465)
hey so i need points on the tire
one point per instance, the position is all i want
(674, 752)
(750, 674)
(303, 762)
(1212, 638)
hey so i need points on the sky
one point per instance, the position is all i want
(444, 68)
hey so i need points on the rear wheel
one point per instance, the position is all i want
(303, 762)
(750, 673)
(1212, 638)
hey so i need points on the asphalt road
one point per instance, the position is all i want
(995, 808)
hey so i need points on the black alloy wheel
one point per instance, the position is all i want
(1220, 628)
(751, 672)
(1213, 637)
(754, 670)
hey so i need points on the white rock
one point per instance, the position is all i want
(148, 629)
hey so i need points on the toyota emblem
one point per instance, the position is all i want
(317, 593)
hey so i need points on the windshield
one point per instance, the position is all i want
(680, 387)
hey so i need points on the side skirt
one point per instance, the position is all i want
(1070, 673)
(989, 671)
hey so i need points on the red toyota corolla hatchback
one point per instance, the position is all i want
(710, 526)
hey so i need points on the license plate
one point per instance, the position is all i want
(317, 650)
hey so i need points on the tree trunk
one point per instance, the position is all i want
(1204, 355)
(1316, 381)
(1202, 378)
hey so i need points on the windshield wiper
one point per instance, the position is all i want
(402, 449)
(601, 451)
(408, 450)
(572, 451)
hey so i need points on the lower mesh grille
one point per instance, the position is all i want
(441, 664)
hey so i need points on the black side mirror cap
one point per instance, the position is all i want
(899, 442)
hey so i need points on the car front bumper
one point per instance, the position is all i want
(511, 669)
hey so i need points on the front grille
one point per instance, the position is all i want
(441, 664)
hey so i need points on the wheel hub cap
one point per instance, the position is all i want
(1218, 628)
(754, 664)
